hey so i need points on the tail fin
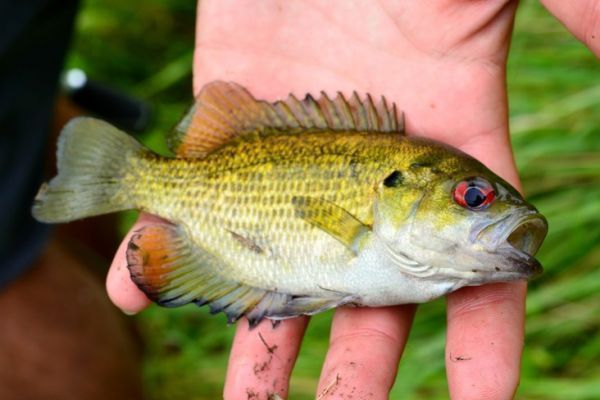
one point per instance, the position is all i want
(92, 158)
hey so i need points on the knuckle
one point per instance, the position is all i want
(365, 334)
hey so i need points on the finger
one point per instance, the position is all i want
(485, 340)
(364, 350)
(121, 289)
(262, 359)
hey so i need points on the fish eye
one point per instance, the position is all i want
(474, 193)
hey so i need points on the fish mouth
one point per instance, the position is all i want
(520, 241)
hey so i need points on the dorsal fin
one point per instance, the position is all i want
(223, 111)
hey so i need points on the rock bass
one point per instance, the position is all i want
(297, 206)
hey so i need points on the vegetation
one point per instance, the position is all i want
(554, 91)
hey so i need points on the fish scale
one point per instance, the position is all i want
(285, 208)
(234, 200)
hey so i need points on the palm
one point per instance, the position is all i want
(443, 64)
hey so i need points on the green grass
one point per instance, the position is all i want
(554, 86)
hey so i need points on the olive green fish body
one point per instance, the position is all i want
(289, 208)
(239, 202)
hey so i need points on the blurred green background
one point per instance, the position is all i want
(145, 49)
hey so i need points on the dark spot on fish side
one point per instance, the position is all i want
(298, 200)
(475, 270)
(497, 268)
(354, 170)
(394, 179)
(246, 242)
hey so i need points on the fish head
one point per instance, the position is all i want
(458, 221)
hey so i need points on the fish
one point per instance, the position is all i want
(292, 207)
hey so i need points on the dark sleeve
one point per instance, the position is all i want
(34, 37)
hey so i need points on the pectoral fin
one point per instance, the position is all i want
(332, 219)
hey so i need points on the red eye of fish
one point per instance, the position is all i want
(474, 194)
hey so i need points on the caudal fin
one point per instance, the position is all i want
(92, 159)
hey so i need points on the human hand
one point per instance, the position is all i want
(443, 63)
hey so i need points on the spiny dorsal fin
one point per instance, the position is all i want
(224, 111)
(172, 271)
(332, 219)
